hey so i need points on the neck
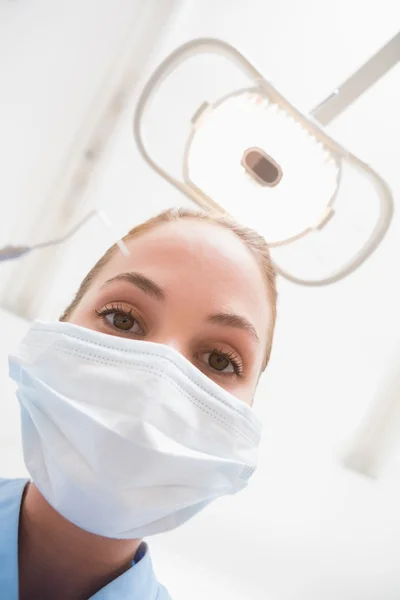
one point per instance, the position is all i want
(59, 560)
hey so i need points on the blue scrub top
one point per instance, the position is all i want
(138, 583)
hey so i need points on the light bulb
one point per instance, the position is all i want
(321, 212)
(309, 171)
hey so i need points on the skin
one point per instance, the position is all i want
(200, 270)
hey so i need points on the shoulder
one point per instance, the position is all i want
(11, 489)
(162, 593)
(143, 571)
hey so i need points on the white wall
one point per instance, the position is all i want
(305, 529)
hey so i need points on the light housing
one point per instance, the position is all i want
(253, 155)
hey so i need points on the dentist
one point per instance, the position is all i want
(136, 407)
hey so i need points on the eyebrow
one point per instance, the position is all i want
(233, 320)
(148, 286)
(152, 288)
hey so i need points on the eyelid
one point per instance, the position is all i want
(233, 357)
(117, 307)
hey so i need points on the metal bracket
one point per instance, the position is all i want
(358, 83)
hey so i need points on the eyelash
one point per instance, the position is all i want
(116, 308)
(233, 359)
(231, 356)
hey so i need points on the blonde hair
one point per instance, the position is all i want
(252, 240)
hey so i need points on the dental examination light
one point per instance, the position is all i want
(250, 153)
(12, 252)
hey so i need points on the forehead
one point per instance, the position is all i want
(198, 262)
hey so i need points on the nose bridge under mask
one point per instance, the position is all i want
(175, 344)
(175, 334)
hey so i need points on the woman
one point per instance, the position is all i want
(136, 407)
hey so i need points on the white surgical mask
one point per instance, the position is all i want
(126, 438)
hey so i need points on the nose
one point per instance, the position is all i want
(179, 345)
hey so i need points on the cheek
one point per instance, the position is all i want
(244, 393)
(243, 389)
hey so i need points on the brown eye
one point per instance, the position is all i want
(218, 362)
(225, 363)
(123, 321)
